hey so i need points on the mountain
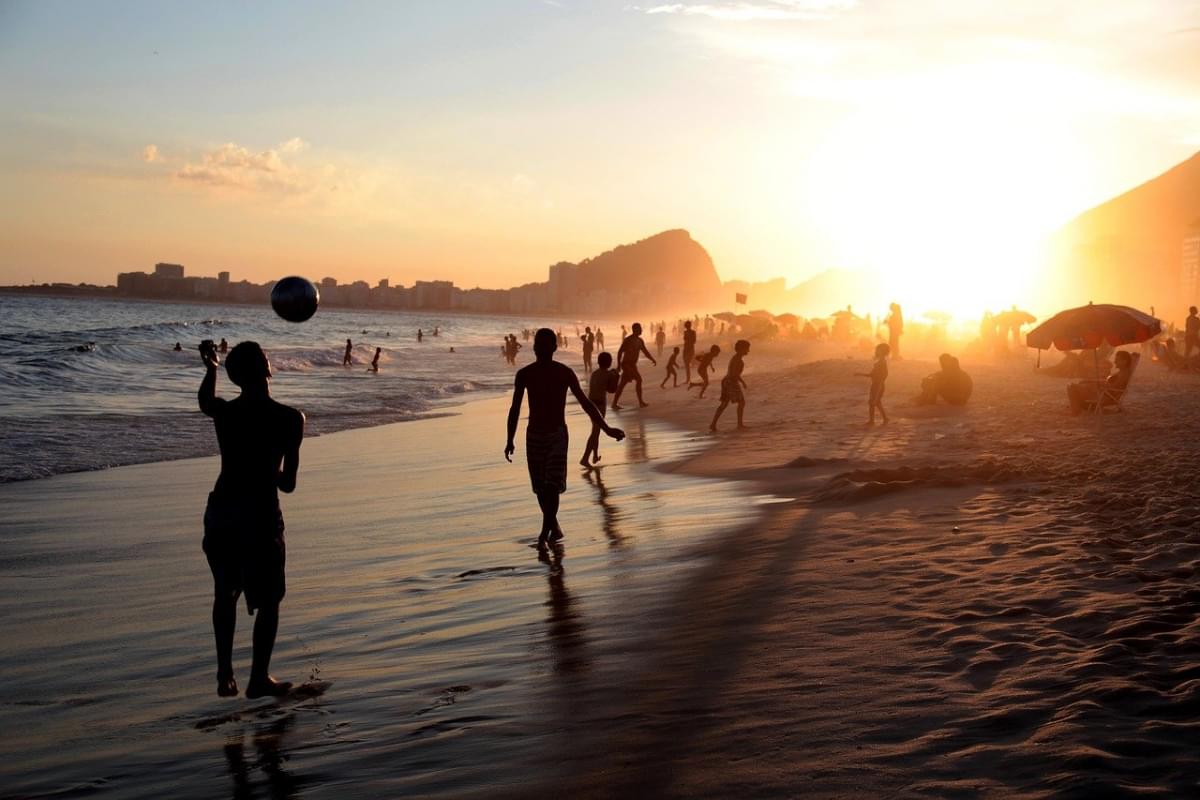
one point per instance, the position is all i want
(671, 259)
(1130, 249)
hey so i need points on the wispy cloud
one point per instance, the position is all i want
(150, 154)
(751, 10)
(236, 167)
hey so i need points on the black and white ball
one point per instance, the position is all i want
(295, 298)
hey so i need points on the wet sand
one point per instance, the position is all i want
(992, 601)
(997, 601)
(439, 653)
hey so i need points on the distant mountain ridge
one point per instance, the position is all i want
(668, 259)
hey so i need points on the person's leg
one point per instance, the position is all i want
(548, 500)
(224, 620)
(620, 388)
(637, 385)
(741, 410)
(266, 625)
(717, 416)
(592, 447)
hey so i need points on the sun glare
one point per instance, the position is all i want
(947, 203)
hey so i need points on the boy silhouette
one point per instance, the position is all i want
(732, 385)
(672, 370)
(546, 443)
(243, 526)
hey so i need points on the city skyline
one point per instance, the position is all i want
(490, 139)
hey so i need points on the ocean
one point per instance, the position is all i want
(87, 384)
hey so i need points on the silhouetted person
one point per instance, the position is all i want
(436, 332)
(672, 370)
(588, 341)
(1191, 333)
(546, 441)
(178, 347)
(660, 339)
(703, 364)
(224, 348)
(732, 385)
(689, 350)
(878, 376)
(375, 361)
(627, 356)
(1087, 395)
(243, 526)
(951, 383)
(347, 358)
(420, 334)
(601, 384)
(599, 338)
(895, 326)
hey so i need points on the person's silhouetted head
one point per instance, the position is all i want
(587, 329)
(637, 329)
(545, 342)
(1192, 311)
(676, 351)
(741, 347)
(947, 361)
(687, 325)
(716, 350)
(247, 365)
(605, 360)
(882, 350)
(347, 341)
(1122, 359)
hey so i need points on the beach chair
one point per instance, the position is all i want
(1110, 399)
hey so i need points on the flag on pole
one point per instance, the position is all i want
(739, 298)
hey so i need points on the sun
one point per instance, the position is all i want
(948, 205)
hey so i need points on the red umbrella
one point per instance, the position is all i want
(1087, 327)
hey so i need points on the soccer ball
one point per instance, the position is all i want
(295, 299)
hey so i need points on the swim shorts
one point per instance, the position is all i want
(731, 391)
(546, 453)
(245, 550)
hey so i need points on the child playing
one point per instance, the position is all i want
(878, 376)
(672, 370)
(704, 364)
(732, 384)
(602, 383)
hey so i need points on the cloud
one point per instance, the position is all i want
(232, 166)
(751, 10)
(150, 154)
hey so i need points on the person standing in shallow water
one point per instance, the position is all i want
(689, 350)
(546, 441)
(259, 440)
(347, 358)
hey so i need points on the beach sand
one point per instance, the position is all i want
(998, 600)
(994, 600)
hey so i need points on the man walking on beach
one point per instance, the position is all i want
(259, 440)
(589, 341)
(546, 444)
(689, 350)
(627, 357)
(1191, 333)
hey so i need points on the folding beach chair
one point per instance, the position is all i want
(1110, 399)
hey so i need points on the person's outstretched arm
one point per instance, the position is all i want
(590, 409)
(514, 414)
(291, 457)
(647, 354)
(207, 395)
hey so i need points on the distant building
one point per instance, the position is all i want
(433, 294)
(163, 270)
(1190, 269)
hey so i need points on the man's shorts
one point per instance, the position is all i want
(546, 453)
(731, 391)
(245, 550)
(629, 373)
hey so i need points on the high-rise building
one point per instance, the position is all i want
(168, 270)
(1190, 272)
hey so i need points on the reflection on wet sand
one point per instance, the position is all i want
(610, 514)
(270, 758)
(564, 623)
(638, 449)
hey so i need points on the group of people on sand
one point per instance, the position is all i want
(1167, 352)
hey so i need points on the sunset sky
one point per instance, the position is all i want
(482, 141)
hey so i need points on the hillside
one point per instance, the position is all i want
(668, 259)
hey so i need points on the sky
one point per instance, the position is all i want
(933, 142)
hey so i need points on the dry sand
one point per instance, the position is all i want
(998, 600)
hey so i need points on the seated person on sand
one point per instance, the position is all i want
(951, 383)
(1089, 395)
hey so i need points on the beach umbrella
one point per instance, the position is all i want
(762, 313)
(726, 316)
(1087, 327)
(788, 319)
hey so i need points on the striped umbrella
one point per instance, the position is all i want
(1087, 327)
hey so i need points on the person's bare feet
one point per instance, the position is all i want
(616, 407)
(556, 535)
(644, 405)
(583, 462)
(712, 428)
(227, 686)
(595, 458)
(743, 427)
(269, 687)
